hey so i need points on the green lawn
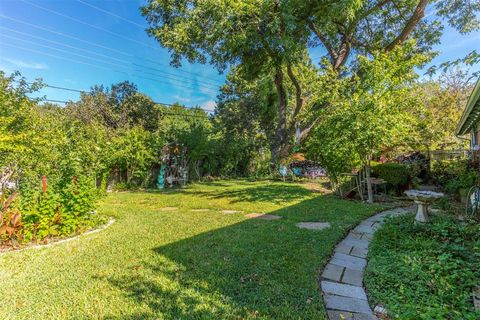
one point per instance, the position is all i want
(184, 264)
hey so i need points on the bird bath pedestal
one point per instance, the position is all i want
(423, 199)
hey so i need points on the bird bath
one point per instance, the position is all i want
(423, 199)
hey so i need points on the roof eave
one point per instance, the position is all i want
(464, 126)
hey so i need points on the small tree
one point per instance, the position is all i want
(370, 114)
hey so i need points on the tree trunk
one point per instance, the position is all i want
(277, 148)
(369, 182)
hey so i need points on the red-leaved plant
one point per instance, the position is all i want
(10, 219)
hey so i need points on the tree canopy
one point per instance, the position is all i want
(269, 40)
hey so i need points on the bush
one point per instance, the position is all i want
(396, 175)
(454, 175)
(61, 211)
(425, 271)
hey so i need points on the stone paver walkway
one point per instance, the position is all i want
(342, 279)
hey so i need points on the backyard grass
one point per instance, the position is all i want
(183, 264)
(425, 271)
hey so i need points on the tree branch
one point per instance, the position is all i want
(378, 5)
(416, 17)
(343, 54)
(304, 133)
(323, 39)
(298, 91)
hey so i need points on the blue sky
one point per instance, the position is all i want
(108, 44)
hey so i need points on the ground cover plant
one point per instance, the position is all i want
(424, 271)
(156, 263)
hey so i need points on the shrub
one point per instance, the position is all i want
(454, 175)
(60, 211)
(396, 175)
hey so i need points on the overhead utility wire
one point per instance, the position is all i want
(100, 46)
(94, 26)
(112, 14)
(88, 24)
(96, 66)
(87, 91)
(213, 86)
(210, 89)
(163, 112)
(62, 34)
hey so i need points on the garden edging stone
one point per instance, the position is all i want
(342, 279)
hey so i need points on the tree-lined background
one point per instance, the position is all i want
(368, 95)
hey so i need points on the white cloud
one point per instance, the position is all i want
(24, 64)
(209, 105)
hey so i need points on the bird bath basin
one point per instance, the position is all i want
(423, 199)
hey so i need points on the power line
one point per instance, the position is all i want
(213, 86)
(62, 34)
(163, 112)
(55, 101)
(207, 87)
(103, 29)
(100, 46)
(89, 92)
(54, 56)
(88, 24)
(97, 66)
(62, 44)
(111, 14)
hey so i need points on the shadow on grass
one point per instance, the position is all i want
(275, 193)
(251, 269)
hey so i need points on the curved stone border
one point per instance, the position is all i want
(342, 279)
(54, 243)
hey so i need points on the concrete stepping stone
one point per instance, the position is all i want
(169, 209)
(313, 225)
(200, 210)
(230, 211)
(263, 216)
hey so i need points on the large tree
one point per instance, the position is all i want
(271, 37)
(264, 37)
